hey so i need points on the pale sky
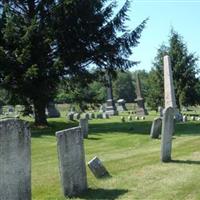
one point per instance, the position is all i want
(182, 15)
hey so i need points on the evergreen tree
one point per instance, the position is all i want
(44, 42)
(185, 74)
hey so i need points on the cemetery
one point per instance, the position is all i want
(80, 120)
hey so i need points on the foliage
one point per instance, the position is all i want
(43, 42)
(185, 74)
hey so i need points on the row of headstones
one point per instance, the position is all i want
(15, 160)
(130, 118)
(76, 116)
(157, 124)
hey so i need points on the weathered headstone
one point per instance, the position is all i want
(140, 110)
(122, 118)
(91, 115)
(15, 160)
(167, 132)
(98, 168)
(170, 100)
(52, 111)
(156, 128)
(193, 118)
(121, 105)
(137, 118)
(86, 115)
(84, 127)
(71, 161)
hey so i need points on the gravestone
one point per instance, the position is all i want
(193, 118)
(167, 131)
(130, 118)
(184, 118)
(156, 128)
(105, 115)
(70, 116)
(121, 105)
(122, 118)
(71, 158)
(84, 127)
(15, 160)
(52, 111)
(102, 108)
(97, 168)
(140, 109)
(110, 103)
(99, 116)
(169, 92)
(91, 115)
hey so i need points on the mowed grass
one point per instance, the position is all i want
(131, 157)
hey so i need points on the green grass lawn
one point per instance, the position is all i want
(131, 157)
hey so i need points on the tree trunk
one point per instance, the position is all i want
(40, 115)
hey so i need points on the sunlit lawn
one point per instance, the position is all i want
(131, 157)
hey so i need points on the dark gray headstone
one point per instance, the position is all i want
(98, 168)
(84, 127)
(77, 116)
(71, 161)
(156, 128)
(52, 111)
(15, 160)
(167, 132)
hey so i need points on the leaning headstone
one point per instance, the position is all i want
(167, 132)
(97, 168)
(71, 161)
(15, 160)
(84, 127)
(156, 128)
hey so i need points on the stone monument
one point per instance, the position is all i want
(169, 93)
(140, 109)
(71, 158)
(167, 131)
(110, 104)
(84, 127)
(15, 160)
(52, 111)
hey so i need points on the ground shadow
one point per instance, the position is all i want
(190, 162)
(187, 129)
(135, 127)
(100, 194)
(53, 127)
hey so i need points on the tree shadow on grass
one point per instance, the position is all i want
(191, 129)
(101, 194)
(190, 162)
(135, 127)
(53, 127)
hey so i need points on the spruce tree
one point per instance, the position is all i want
(44, 42)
